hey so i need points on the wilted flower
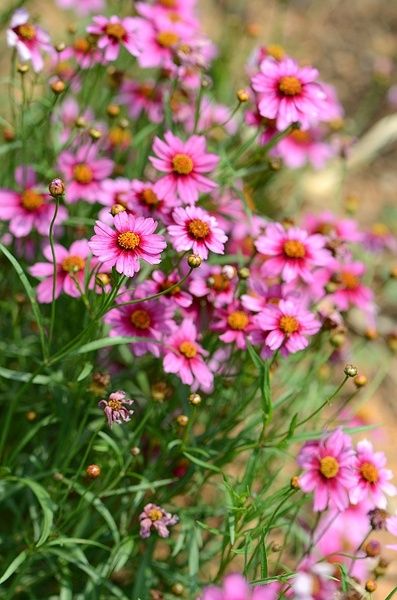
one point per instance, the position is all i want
(115, 408)
(154, 516)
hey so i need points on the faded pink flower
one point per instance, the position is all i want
(84, 171)
(115, 408)
(114, 32)
(82, 8)
(372, 476)
(143, 97)
(236, 587)
(155, 517)
(196, 230)
(300, 148)
(328, 473)
(29, 40)
(184, 163)
(131, 240)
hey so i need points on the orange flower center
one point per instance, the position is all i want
(182, 164)
(168, 3)
(301, 137)
(288, 324)
(115, 31)
(380, 229)
(149, 197)
(166, 285)
(128, 240)
(329, 467)
(275, 51)
(26, 31)
(167, 39)
(31, 200)
(155, 514)
(238, 320)
(119, 136)
(82, 45)
(115, 404)
(294, 249)
(73, 264)
(369, 472)
(188, 349)
(290, 86)
(83, 173)
(198, 229)
(141, 319)
(349, 280)
(148, 91)
(218, 282)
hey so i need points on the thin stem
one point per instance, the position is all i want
(54, 273)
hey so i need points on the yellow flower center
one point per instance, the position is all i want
(115, 404)
(149, 197)
(168, 3)
(238, 320)
(182, 164)
(302, 137)
(198, 229)
(73, 264)
(31, 200)
(167, 39)
(275, 51)
(115, 31)
(329, 467)
(128, 240)
(141, 319)
(294, 249)
(290, 86)
(119, 136)
(380, 229)
(82, 45)
(369, 472)
(155, 514)
(349, 280)
(82, 173)
(188, 349)
(218, 282)
(26, 31)
(288, 324)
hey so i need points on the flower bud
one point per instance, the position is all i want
(194, 261)
(182, 420)
(135, 451)
(60, 47)
(372, 548)
(113, 110)
(160, 391)
(80, 122)
(360, 381)
(116, 209)
(8, 134)
(295, 485)
(93, 471)
(58, 86)
(370, 586)
(337, 339)
(371, 334)
(22, 69)
(242, 95)
(350, 370)
(31, 415)
(95, 134)
(244, 273)
(178, 589)
(195, 399)
(102, 279)
(393, 272)
(56, 187)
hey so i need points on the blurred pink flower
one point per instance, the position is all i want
(114, 32)
(235, 587)
(29, 40)
(142, 97)
(372, 476)
(82, 7)
(83, 172)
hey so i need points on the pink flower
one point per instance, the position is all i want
(196, 230)
(214, 284)
(304, 147)
(150, 320)
(328, 470)
(29, 208)
(286, 326)
(142, 97)
(154, 516)
(184, 163)
(70, 271)
(292, 253)
(83, 172)
(330, 225)
(82, 8)
(146, 201)
(234, 323)
(350, 290)
(372, 476)
(113, 33)
(115, 191)
(391, 526)
(235, 587)
(131, 240)
(28, 39)
(290, 93)
(163, 282)
(183, 355)
(115, 408)
(314, 581)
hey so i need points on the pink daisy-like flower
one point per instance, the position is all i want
(287, 326)
(28, 39)
(235, 587)
(313, 581)
(196, 230)
(331, 225)
(184, 356)
(115, 408)
(184, 163)
(162, 283)
(146, 200)
(350, 290)
(142, 97)
(372, 476)
(235, 324)
(154, 516)
(84, 172)
(292, 253)
(328, 470)
(150, 320)
(131, 240)
(304, 147)
(214, 284)
(289, 93)
(70, 271)
(114, 32)
(29, 208)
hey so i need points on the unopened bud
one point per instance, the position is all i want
(31, 415)
(370, 586)
(338, 339)
(295, 483)
(360, 381)
(350, 370)
(393, 272)
(60, 47)
(373, 548)
(371, 334)
(124, 123)
(22, 69)
(8, 134)
(93, 471)
(182, 420)
(194, 261)
(135, 451)
(102, 279)
(56, 187)
(160, 391)
(244, 273)
(116, 209)
(95, 134)
(276, 547)
(58, 86)
(195, 399)
(228, 271)
(113, 110)
(80, 122)
(178, 589)
(378, 518)
(242, 95)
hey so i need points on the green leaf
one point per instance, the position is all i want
(201, 463)
(264, 382)
(390, 596)
(85, 371)
(46, 505)
(109, 341)
(22, 376)
(194, 552)
(16, 563)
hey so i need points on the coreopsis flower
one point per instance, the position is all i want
(142, 97)
(214, 284)
(147, 201)
(380, 238)
(196, 230)
(331, 225)
(115, 407)
(350, 291)
(314, 581)
(373, 479)
(302, 147)
(234, 323)
(130, 241)
(236, 587)
(292, 253)
(67, 114)
(84, 51)
(289, 93)
(29, 40)
(82, 8)
(162, 283)
(184, 356)
(115, 191)
(185, 164)
(70, 271)
(30, 208)
(83, 172)
(328, 470)
(155, 517)
(113, 32)
(150, 320)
